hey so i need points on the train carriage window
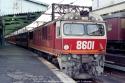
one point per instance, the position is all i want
(58, 28)
(123, 23)
(30, 35)
(44, 33)
(74, 29)
(34, 37)
(95, 30)
(109, 27)
(48, 34)
(58, 32)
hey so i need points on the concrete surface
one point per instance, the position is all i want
(18, 65)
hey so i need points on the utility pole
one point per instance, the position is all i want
(1, 32)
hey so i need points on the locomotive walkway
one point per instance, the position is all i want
(18, 65)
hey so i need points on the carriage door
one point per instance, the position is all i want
(58, 37)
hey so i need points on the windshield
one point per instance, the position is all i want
(83, 29)
(73, 29)
(95, 30)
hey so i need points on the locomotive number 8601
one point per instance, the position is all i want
(85, 45)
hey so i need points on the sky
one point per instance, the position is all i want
(47, 18)
(76, 2)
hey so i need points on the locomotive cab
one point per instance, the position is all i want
(81, 38)
(83, 45)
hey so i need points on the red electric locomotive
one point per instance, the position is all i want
(78, 43)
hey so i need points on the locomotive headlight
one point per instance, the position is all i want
(66, 47)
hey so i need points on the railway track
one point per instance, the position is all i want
(115, 59)
(110, 76)
(113, 76)
(115, 51)
(114, 69)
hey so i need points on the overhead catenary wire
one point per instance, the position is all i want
(47, 15)
(50, 7)
(48, 11)
(41, 19)
(73, 2)
(58, 3)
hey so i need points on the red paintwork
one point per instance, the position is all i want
(54, 45)
(117, 33)
(73, 43)
(44, 39)
(42, 42)
(73, 46)
(12, 39)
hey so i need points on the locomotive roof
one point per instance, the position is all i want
(51, 22)
(77, 17)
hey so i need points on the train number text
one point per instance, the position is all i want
(85, 45)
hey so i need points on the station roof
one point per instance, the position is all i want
(37, 2)
(17, 14)
(15, 22)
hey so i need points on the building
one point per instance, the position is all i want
(108, 6)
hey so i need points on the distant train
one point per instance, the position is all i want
(78, 43)
(116, 33)
(116, 40)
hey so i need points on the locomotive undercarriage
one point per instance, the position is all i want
(82, 66)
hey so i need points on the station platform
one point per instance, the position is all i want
(18, 65)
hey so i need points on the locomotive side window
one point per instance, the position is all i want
(95, 30)
(44, 33)
(30, 35)
(73, 29)
(58, 32)
(58, 29)
(123, 23)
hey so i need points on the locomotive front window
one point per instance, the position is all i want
(95, 30)
(73, 29)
